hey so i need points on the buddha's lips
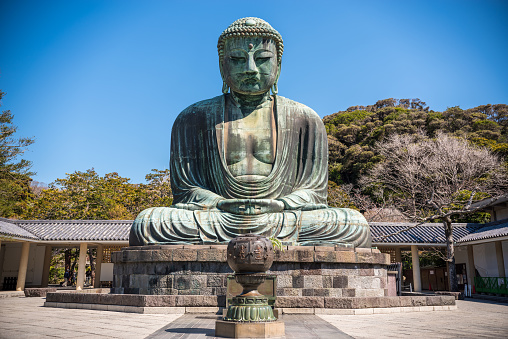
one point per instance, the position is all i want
(250, 80)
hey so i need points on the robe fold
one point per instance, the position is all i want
(200, 179)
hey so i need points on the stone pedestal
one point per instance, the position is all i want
(230, 329)
(302, 271)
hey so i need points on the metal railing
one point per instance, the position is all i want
(491, 285)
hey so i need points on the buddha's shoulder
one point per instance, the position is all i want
(204, 105)
(297, 108)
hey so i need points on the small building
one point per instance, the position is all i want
(27, 246)
(398, 237)
(485, 251)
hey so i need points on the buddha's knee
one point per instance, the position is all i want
(153, 214)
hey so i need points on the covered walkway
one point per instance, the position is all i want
(26, 246)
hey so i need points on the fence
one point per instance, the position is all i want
(491, 285)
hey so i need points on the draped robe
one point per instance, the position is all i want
(200, 179)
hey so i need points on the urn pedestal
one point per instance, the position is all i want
(249, 314)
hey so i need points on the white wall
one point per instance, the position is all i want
(10, 262)
(2, 256)
(36, 264)
(505, 256)
(485, 259)
(460, 254)
(501, 213)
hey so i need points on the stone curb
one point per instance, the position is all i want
(38, 292)
(11, 294)
(283, 302)
(219, 310)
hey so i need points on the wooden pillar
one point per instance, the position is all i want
(417, 281)
(398, 254)
(80, 281)
(500, 259)
(47, 265)
(23, 264)
(98, 265)
(471, 271)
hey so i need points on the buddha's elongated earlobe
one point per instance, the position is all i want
(274, 88)
(225, 87)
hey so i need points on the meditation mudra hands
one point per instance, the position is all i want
(250, 206)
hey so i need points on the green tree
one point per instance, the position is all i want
(353, 134)
(88, 196)
(14, 174)
(158, 190)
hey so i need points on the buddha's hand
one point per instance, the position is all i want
(191, 206)
(250, 206)
(312, 207)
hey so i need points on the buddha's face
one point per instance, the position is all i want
(250, 64)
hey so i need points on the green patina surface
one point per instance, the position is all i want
(249, 161)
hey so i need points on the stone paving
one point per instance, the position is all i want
(192, 326)
(471, 319)
(22, 317)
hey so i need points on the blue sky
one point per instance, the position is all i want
(99, 83)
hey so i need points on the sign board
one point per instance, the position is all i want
(107, 271)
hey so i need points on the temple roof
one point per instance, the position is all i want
(118, 231)
(10, 230)
(429, 233)
(491, 230)
(69, 230)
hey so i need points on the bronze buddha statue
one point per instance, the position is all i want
(249, 161)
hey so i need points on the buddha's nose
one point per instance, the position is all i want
(251, 68)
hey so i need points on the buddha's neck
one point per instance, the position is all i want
(250, 101)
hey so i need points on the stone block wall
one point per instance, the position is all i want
(203, 270)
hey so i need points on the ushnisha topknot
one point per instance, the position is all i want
(254, 27)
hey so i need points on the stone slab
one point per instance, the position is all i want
(298, 310)
(214, 302)
(38, 292)
(217, 253)
(249, 330)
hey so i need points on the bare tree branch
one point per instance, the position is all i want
(429, 179)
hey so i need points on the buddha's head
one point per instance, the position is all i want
(250, 53)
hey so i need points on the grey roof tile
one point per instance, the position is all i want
(118, 230)
(429, 233)
(78, 230)
(493, 229)
(9, 229)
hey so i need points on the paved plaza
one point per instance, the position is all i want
(22, 317)
(471, 319)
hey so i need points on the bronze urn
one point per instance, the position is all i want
(250, 256)
(250, 253)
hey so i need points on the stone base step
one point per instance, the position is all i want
(220, 310)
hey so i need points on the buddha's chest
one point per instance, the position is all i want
(250, 143)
